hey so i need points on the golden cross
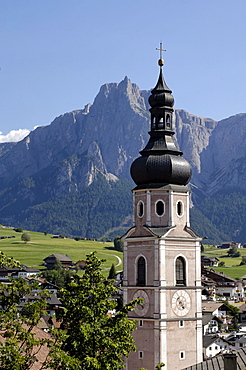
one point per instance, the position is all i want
(161, 50)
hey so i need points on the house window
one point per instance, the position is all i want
(140, 354)
(181, 355)
(141, 272)
(140, 209)
(210, 348)
(216, 347)
(180, 271)
(160, 208)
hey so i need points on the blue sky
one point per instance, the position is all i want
(55, 55)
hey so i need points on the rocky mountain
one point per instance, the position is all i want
(224, 159)
(93, 148)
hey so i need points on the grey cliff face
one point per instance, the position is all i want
(193, 133)
(223, 161)
(105, 137)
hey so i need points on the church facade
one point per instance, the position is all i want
(161, 252)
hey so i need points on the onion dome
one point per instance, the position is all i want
(161, 162)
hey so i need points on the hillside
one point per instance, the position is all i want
(41, 246)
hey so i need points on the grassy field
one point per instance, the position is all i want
(41, 246)
(231, 267)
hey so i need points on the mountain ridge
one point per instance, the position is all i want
(99, 143)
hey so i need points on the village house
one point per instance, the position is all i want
(227, 245)
(80, 265)
(237, 340)
(213, 345)
(16, 272)
(209, 261)
(242, 313)
(220, 310)
(66, 261)
(209, 288)
(53, 302)
(225, 286)
(211, 324)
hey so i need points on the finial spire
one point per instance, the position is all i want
(161, 61)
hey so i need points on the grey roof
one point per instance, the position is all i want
(159, 231)
(217, 362)
(28, 269)
(209, 339)
(60, 257)
(210, 306)
(162, 231)
(208, 317)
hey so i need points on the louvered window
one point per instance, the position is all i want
(180, 271)
(141, 272)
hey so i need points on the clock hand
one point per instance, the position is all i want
(180, 303)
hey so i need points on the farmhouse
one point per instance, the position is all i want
(65, 261)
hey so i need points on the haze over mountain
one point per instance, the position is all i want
(72, 176)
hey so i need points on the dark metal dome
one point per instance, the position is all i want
(161, 162)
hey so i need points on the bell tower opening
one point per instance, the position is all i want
(180, 271)
(141, 272)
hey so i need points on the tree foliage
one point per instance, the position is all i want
(221, 264)
(235, 314)
(99, 340)
(20, 346)
(112, 272)
(118, 243)
(58, 275)
(90, 212)
(90, 337)
(226, 213)
(25, 237)
(233, 251)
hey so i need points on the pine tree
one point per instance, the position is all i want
(112, 272)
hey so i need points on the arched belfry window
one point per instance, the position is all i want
(180, 271)
(141, 272)
(168, 120)
(160, 123)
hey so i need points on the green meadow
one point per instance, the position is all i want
(231, 267)
(41, 246)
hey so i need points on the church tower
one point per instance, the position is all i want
(161, 251)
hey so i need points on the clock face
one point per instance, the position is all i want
(141, 309)
(181, 303)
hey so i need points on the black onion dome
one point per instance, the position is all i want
(161, 162)
(161, 169)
